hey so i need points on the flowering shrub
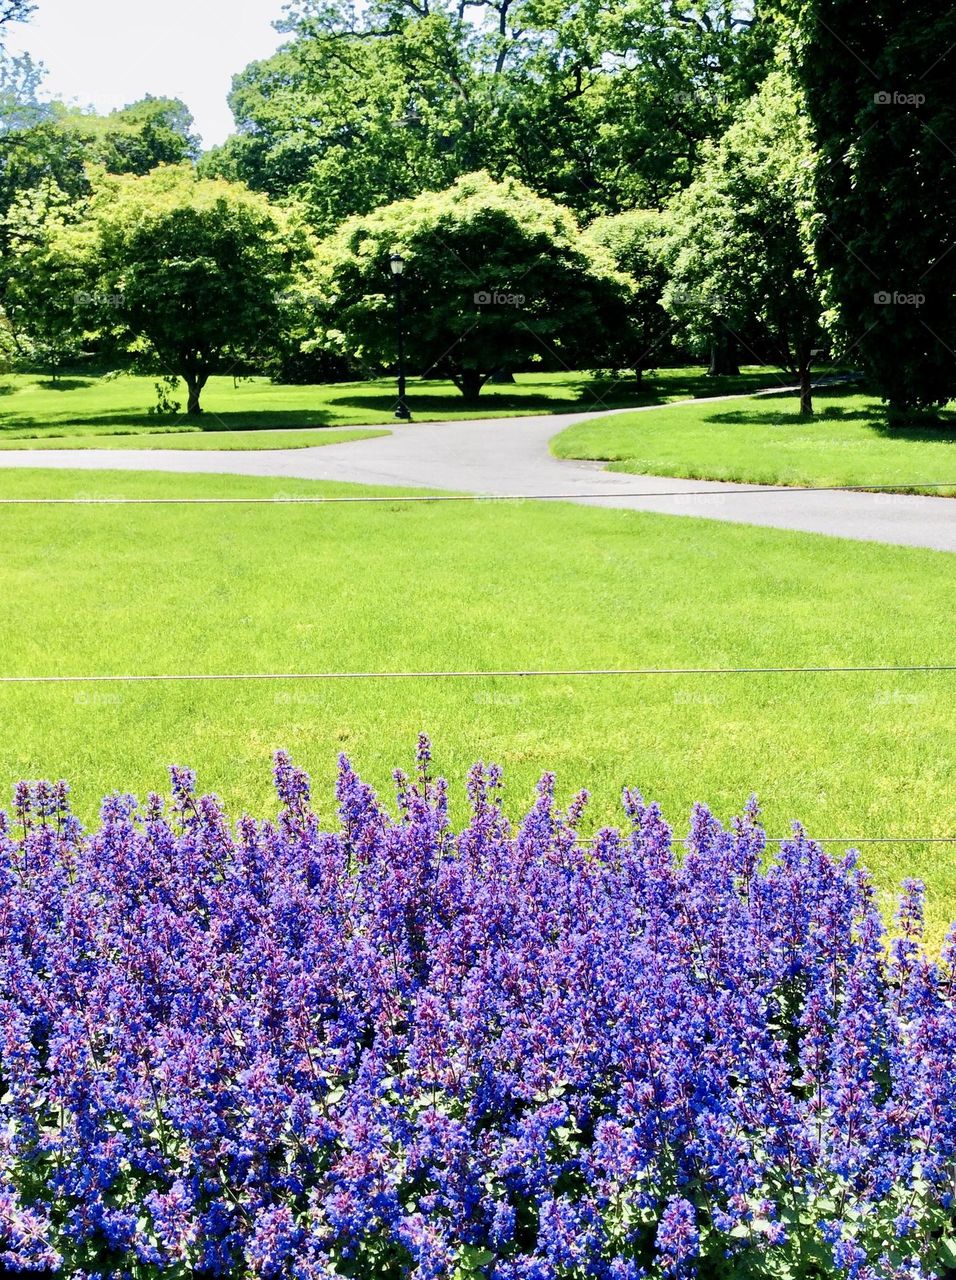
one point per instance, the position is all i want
(392, 1050)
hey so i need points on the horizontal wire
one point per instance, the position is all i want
(850, 839)
(557, 673)
(307, 500)
(867, 839)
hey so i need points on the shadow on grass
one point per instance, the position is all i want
(122, 422)
(424, 405)
(940, 430)
(428, 399)
(65, 384)
(573, 395)
(790, 418)
(696, 386)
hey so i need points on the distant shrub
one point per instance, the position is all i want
(391, 1049)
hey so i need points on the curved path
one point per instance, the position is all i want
(497, 457)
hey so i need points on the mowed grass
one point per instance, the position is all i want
(411, 587)
(32, 407)
(763, 440)
(229, 441)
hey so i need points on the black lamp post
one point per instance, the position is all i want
(397, 263)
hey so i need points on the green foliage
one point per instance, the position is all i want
(46, 154)
(605, 107)
(601, 107)
(136, 138)
(34, 149)
(45, 142)
(495, 276)
(740, 235)
(198, 269)
(356, 112)
(43, 278)
(879, 82)
(635, 241)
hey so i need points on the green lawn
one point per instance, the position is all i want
(763, 440)
(402, 586)
(230, 441)
(31, 407)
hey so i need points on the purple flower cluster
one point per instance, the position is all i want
(396, 1050)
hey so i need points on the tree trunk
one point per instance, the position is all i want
(194, 385)
(723, 355)
(470, 382)
(806, 390)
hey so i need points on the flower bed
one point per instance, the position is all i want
(391, 1049)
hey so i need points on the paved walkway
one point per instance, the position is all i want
(501, 456)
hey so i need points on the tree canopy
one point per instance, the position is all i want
(495, 276)
(636, 242)
(135, 138)
(739, 242)
(600, 106)
(880, 86)
(194, 270)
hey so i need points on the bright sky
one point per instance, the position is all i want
(106, 53)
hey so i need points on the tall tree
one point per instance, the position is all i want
(880, 85)
(40, 169)
(605, 106)
(356, 112)
(600, 105)
(740, 236)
